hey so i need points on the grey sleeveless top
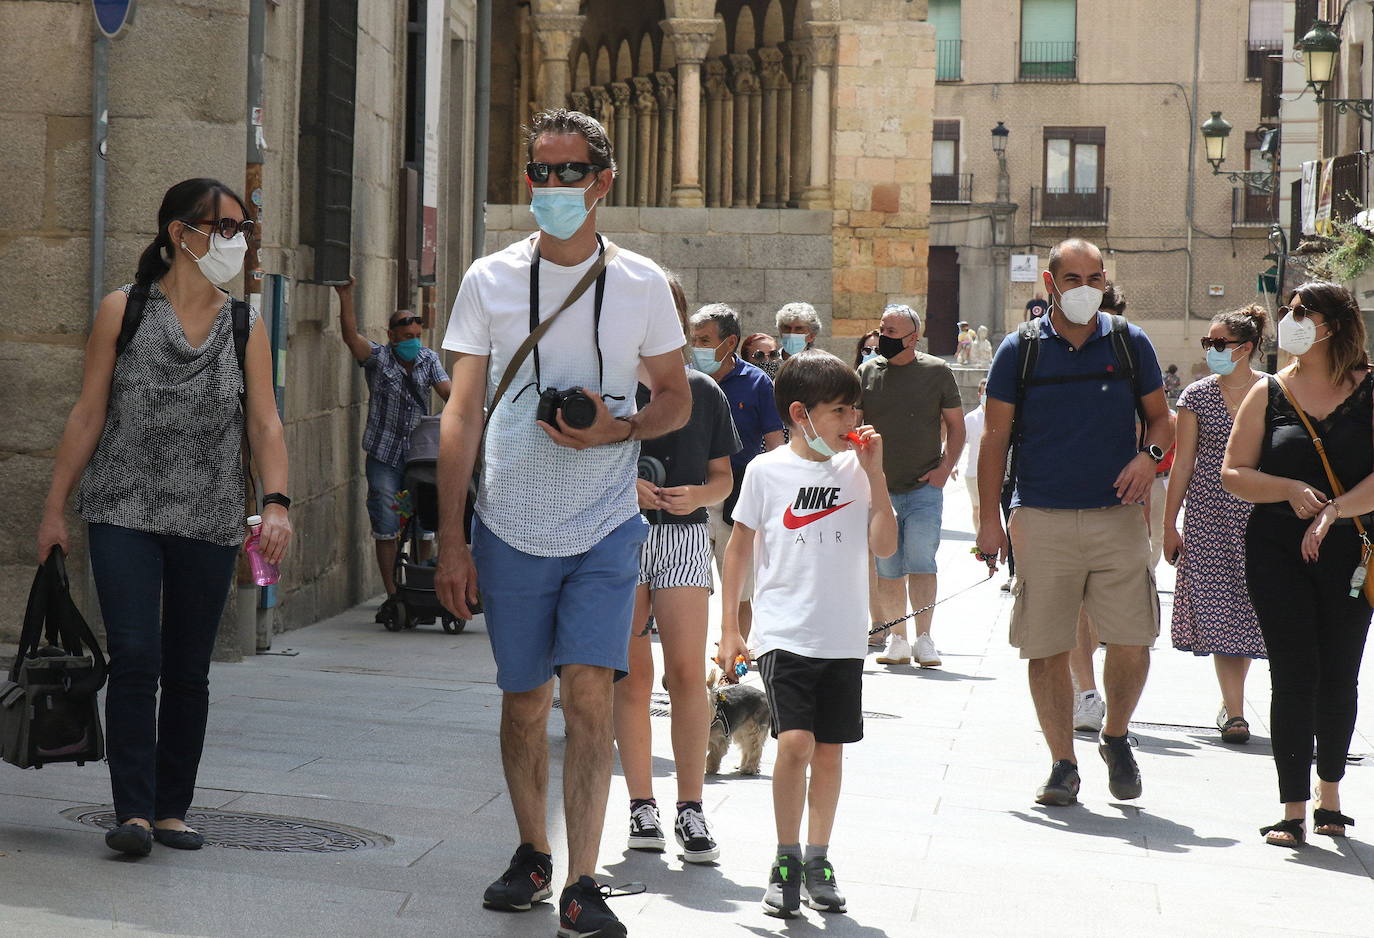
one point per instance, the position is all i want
(168, 457)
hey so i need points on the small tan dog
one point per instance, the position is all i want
(739, 714)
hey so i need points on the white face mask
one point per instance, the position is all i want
(223, 259)
(1080, 305)
(1296, 337)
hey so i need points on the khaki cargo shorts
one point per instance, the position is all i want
(1096, 558)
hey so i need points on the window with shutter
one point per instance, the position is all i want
(1049, 46)
(944, 15)
(325, 153)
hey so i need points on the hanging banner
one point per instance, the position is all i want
(1309, 197)
(1323, 224)
(435, 22)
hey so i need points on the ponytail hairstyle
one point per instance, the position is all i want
(1346, 354)
(1246, 324)
(188, 201)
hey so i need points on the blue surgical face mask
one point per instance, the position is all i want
(868, 355)
(705, 358)
(793, 343)
(818, 445)
(559, 211)
(1221, 363)
(407, 350)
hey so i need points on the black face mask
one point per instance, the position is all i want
(770, 367)
(890, 348)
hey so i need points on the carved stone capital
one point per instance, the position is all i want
(716, 86)
(665, 88)
(691, 38)
(556, 34)
(620, 94)
(770, 68)
(580, 101)
(643, 90)
(601, 101)
(825, 41)
(742, 77)
(798, 61)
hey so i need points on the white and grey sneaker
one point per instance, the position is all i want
(1089, 710)
(898, 651)
(694, 835)
(927, 655)
(645, 831)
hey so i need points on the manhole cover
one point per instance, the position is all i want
(244, 831)
(654, 711)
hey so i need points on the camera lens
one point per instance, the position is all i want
(652, 470)
(578, 411)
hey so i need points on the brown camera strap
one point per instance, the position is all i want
(1336, 488)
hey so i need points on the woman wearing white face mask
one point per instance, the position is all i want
(155, 441)
(1304, 564)
(1212, 612)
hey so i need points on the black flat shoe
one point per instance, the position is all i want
(179, 840)
(132, 839)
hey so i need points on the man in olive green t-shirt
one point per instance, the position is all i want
(909, 397)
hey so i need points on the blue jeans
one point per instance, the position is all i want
(161, 597)
(383, 482)
(919, 515)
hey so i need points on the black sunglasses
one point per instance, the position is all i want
(226, 227)
(1219, 345)
(566, 172)
(407, 321)
(1297, 312)
(870, 348)
(761, 355)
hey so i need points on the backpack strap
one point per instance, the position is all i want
(1027, 354)
(241, 319)
(133, 315)
(1124, 350)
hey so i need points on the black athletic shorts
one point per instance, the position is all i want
(823, 696)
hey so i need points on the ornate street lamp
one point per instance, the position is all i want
(1319, 49)
(999, 147)
(1215, 130)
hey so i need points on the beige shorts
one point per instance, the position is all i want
(720, 536)
(1098, 559)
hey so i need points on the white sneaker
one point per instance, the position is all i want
(898, 651)
(1089, 710)
(927, 655)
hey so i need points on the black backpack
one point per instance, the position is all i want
(133, 317)
(1028, 353)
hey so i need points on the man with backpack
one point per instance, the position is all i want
(1064, 393)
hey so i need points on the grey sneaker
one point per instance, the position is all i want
(822, 892)
(1061, 788)
(782, 899)
(1123, 775)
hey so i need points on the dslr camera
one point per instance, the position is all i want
(576, 407)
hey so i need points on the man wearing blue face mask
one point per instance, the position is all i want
(400, 376)
(798, 325)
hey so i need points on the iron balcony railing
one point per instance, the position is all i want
(949, 57)
(1047, 61)
(1251, 209)
(1061, 208)
(952, 187)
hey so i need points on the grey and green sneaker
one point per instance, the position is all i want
(822, 892)
(782, 899)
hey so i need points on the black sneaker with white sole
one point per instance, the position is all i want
(694, 835)
(822, 892)
(645, 831)
(1061, 788)
(526, 881)
(583, 913)
(1123, 775)
(782, 898)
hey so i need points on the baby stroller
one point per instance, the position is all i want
(417, 603)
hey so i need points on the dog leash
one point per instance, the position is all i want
(989, 559)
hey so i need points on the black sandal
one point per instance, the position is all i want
(1326, 822)
(1235, 730)
(1293, 827)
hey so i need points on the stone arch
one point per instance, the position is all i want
(719, 43)
(601, 74)
(582, 71)
(624, 61)
(646, 55)
(745, 35)
(773, 24)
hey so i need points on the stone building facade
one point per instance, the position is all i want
(1103, 101)
(736, 124)
(177, 108)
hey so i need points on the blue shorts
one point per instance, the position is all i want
(383, 482)
(919, 515)
(545, 612)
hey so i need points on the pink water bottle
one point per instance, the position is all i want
(264, 573)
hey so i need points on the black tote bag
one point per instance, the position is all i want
(49, 711)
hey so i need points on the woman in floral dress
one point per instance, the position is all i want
(1212, 612)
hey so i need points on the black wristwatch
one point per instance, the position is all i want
(276, 498)
(1155, 453)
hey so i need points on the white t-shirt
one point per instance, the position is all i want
(539, 497)
(973, 428)
(810, 553)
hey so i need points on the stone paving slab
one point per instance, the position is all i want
(937, 833)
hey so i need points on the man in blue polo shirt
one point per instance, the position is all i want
(1080, 536)
(715, 340)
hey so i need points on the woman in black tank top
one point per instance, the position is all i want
(1304, 556)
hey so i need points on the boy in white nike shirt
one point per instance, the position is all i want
(807, 517)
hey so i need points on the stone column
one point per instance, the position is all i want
(798, 138)
(665, 88)
(817, 193)
(642, 91)
(624, 142)
(772, 80)
(691, 39)
(716, 92)
(555, 34)
(746, 91)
